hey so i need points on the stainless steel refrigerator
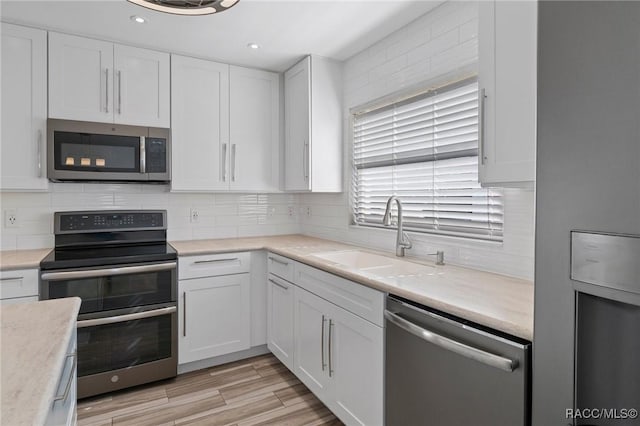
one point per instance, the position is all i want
(586, 351)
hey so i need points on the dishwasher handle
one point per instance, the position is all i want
(484, 357)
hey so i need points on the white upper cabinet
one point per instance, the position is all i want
(313, 126)
(24, 108)
(507, 75)
(254, 152)
(200, 125)
(141, 86)
(80, 78)
(93, 80)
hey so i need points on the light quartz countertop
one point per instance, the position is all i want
(22, 259)
(35, 337)
(497, 301)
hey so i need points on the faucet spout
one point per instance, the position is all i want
(402, 239)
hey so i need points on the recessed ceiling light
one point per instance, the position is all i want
(138, 19)
(253, 46)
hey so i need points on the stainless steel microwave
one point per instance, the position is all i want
(84, 151)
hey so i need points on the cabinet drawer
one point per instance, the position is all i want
(280, 266)
(210, 265)
(363, 301)
(20, 283)
(63, 407)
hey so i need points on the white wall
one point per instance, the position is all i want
(221, 215)
(437, 43)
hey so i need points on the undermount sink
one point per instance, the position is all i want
(375, 264)
(356, 259)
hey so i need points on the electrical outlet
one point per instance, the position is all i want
(271, 211)
(10, 218)
(291, 211)
(195, 216)
(307, 211)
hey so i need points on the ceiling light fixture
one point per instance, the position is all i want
(253, 46)
(138, 19)
(187, 7)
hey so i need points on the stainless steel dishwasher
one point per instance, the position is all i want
(444, 371)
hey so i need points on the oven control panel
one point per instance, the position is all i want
(109, 221)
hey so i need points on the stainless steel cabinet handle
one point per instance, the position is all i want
(305, 160)
(282, 262)
(233, 162)
(67, 388)
(282, 286)
(39, 153)
(184, 314)
(230, 259)
(479, 355)
(106, 90)
(322, 343)
(128, 317)
(93, 273)
(330, 354)
(119, 92)
(143, 154)
(481, 153)
(10, 278)
(224, 162)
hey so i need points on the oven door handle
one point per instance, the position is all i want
(127, 317)
(93, 273)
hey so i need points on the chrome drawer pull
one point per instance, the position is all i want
(446, 343)
(128, 317)
(322, 343)
(282, 262)
(282, 286)
(199, 262)
(330, 354)
(67, 388)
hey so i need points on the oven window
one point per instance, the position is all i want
(110, 347)
(96, 153)
(117, 291)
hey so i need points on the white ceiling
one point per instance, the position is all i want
(286, 30)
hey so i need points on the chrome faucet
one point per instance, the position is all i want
(402, 239)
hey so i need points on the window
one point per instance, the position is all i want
(424, 150)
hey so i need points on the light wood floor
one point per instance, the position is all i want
(255, 391)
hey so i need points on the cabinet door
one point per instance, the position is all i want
(355, 360)
(311, 326)
(280, 320)
(255, 130)
(200, 125)
(24, 108)
(141, 90)
(297, 92)
(215, 317)
(507, 74)
(80, 78)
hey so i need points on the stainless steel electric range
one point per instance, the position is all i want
(120, 265)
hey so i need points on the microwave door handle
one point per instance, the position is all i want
(143, 155)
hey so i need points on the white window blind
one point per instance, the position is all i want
(424, 150)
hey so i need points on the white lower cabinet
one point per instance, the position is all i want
(316, 328)
(357, 366)
(312, 343)
(338, 356)
(280, 319)
(19, 286)
(214, 305)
